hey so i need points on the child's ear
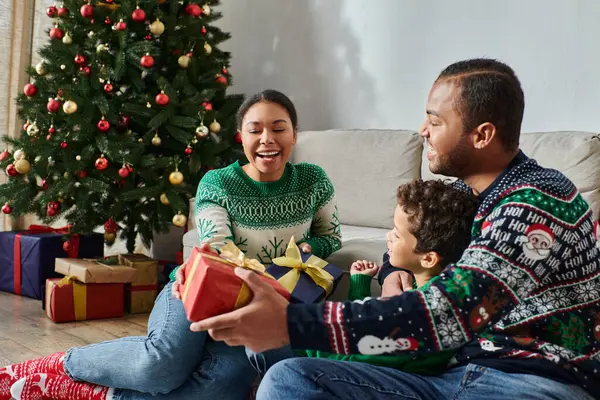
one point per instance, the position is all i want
(430, 259)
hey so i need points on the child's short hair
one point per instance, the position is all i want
(440, 217)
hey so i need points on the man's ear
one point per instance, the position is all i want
(483, 135)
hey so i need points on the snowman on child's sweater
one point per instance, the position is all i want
(372, 345)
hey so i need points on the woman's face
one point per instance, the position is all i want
(268, 137)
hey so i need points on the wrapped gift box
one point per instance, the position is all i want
(309, 278)
(141, 293)
(94, 271)
(211, 286)
(68, 300)
(27, 258)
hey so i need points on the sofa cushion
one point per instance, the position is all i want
(575, 154)
(366, 167)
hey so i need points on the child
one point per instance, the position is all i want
(432, 228)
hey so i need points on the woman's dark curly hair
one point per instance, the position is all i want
(440, 217)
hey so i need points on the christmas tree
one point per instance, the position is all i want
(125, 113)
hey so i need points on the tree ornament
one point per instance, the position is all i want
(207, 105)
(121, 25)
(110, 226)
(108, 87)
(4, 155)
(52, 130)
(79, 59)
(56, 33)
(107, 21)
(103, 125)
(184, 61)
(6, 208)
(206, 9)
(101, 47)
(26, 125)
(18, 154)
(148, 37)
(52, 208)
(30, 90)
(87, 11)
(70, 107)
(44, 184)
(23, 166)
(157, 28)
(148, 105)
(82, 174)
(40, 68)
(33, 130)
(68, 39)
(215, 127)
(203, 30)
(51, 11)
(53, 105)
(124, 172)
(138, 15)
(201, 131)
(224, 70)
(194, 10)
(147, 61)
(156, 140)
(207, 49)
(85, 70)
(66, 246)
(162, 99)
(101, 163)
(64, 144)
(66, 175)
(63, 66)
(48, 137)
(164, 199)
(11, 170)
(188, 150)
(59, 93)
(110, 237)
(179, 220)
(221, 79)
(237, 137)
(63, 12)
(91, 34)
(175, 177)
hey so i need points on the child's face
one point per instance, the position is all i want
(401, 243)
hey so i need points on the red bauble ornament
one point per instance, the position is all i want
(194, 10)
(147, 61)
(11, 170)
(26, 125)
(107, 21)
(86, 70)
(108, 88)
(138, 15)
(79, 59)
(101, 163)
(50, 212)
(221, 79)
(66, 246)
(129, 168)
(52, 130)
(125, 119)
(30, 90)
(207, 105)
(148, 37)
(82, 174)
(188, 150)
(63, 12)
(121, 25)
(225, 71)
(55, 205)
(53, 105)
(51, 11)
(103, 125)
(64, 145)
(162, 99)
(48, 137)
(110, 226)
(203, 30)
(6, 208)
(4, 155)
(238, 138)
(56, 33)
(59, 92)
(87, 11)
(124, 172)
(45, 184)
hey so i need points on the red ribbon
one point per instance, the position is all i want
(72, 252)
(143, 288)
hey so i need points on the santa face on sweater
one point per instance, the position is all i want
(538, 242)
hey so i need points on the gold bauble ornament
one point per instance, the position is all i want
(70, 107)
(101, 47)
(67, 175)
(157, 28)
(207, 48)
(179, 220)
(201, 131)
(33, 130)
(206, 9)
(60, 200)
(110, 237)
(164, 199)
(23, 166)
(18, 154)
(67, 39)
(40, 68)
(215, 127)
(184, 61)
(176, 178)
(156, 141)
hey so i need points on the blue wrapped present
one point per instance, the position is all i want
(308, 278)
(27, 257)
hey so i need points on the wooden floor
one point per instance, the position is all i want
(26, 332)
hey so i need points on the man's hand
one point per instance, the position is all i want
(305, 248)
(261, 325)
(396, 283)
(364, 267)
(180, 278)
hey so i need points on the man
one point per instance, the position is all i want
(521, 306)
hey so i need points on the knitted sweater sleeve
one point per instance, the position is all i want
(213, 224)
(325, 235)
(497, 271)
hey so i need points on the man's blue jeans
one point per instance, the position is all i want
(172, 362)
(312, 379)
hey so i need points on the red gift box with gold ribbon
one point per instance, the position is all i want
(211, 286)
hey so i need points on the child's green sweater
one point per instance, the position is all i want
(429, 364)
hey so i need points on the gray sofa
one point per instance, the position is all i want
(366, 166)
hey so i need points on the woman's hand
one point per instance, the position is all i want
(305, 248)
(180, 277)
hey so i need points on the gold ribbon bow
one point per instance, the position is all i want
(313, 267)
(79, 296)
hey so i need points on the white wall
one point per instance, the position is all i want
(370, 63)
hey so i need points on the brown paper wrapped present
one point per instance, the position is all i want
(94, 271)
(140, 295)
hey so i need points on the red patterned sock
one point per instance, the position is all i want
(57, 387)
(52, 364)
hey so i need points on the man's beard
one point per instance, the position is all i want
(456, 162)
